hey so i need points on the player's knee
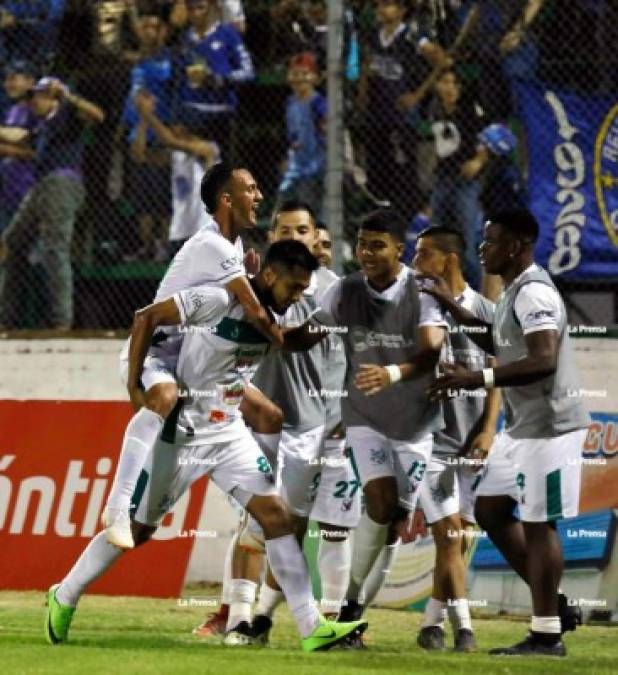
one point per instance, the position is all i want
(270, 418)
(141, 533)
(447, 534)
(383, 509)
(162, 398)
(274, 518)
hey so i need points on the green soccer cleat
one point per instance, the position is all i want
(57, 618)
(329, 633)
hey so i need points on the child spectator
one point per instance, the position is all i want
(456, 122)
(213, 61)
(149, 177)
(393, 67)
(305, 117)
(51, 205)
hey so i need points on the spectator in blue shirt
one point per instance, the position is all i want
(148, 177)
(305, 117)
(50, 206)
(214, 60)
(29, 29)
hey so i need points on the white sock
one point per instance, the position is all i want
(380, 570)
(226, 597)
(334, 559)
(96, 558)
(139, 438)
(289, 568)
(544, 624)
(459, 614)
(369, 538)
(242, 597)
(269, 444)
(435, 613)
(269, 600)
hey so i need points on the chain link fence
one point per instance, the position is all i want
(449, 110)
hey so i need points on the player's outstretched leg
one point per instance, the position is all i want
(62, 598)
(290, 570)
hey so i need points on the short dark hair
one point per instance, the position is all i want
(447, 239)
(290, 205)
(214, 181)
(519, 223)
(289, 254)
(321, 225)
(385, 220)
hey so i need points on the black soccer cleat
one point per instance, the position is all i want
(431, 638)
(260, 629)
(571, 616)
(531, 647)
(465, 641)
(239, 636)
(350, 611)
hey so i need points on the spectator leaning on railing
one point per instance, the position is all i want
(213, 61)
(50, 206)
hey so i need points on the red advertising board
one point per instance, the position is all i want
(57, 462)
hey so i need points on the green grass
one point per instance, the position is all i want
(114, 636)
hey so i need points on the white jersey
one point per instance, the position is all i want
(207, 258)
(188, 212)
(220, 353)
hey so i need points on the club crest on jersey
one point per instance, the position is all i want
(377, 456)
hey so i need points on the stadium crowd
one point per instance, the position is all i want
(112, 110)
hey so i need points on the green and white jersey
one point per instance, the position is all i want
(462, 412)
(220, 353)
(307, 386)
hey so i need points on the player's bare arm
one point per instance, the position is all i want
(145, 322)
(540, 362)
(254, 310)
(443, 294)
(372, 378)
(483, 433)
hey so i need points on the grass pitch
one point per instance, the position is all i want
(118, 636)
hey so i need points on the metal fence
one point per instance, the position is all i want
(426, 106)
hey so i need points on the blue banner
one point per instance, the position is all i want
(573, 179)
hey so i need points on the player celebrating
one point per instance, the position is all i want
(212, 256)
(392, 347)
(446, 493)
(535, 463)
(207, 436)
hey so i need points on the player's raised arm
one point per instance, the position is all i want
(255, 312)
(481, 335)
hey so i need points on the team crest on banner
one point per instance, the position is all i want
(572, 179)
(606, 173)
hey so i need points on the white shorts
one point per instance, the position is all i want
(336, 487)
(447, 490)
(159, 364)
(542, 475)
(237, 466)
(298, 462)
(376, 456)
